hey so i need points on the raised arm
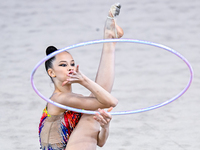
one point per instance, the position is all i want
(101, 98)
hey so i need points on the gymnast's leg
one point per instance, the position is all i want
(84, 136)
(105, 73)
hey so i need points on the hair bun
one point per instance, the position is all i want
(50, 50)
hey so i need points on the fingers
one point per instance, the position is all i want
(110, 109)
(73, 76)
(69, 80)
(77, 68)
(103, 118)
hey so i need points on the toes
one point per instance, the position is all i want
(115, 9)
(118, 7)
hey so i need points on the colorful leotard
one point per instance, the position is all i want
(54, 131)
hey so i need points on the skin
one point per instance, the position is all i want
(64, 73)
(87, 133)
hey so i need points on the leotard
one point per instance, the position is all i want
(54, 130)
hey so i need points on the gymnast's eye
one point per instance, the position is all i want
(63, 65)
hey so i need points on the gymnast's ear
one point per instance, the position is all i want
(51, 73)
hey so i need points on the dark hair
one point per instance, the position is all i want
(48, 63)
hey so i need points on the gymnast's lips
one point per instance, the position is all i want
(70, 72)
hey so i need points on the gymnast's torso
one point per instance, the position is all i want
(54, 130)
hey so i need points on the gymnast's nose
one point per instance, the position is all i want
(70, 69)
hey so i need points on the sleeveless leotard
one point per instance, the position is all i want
(54, 130)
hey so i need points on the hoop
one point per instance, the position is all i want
(108, 41)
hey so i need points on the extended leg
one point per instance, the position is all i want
(105, 74)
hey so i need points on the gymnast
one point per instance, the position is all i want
(57, 124)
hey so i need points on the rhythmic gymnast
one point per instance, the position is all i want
(56, 124)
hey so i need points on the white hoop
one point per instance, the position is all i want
(108, 41)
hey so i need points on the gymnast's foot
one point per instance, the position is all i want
(112, 30)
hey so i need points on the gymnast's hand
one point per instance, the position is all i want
(103, 118)
(74, 76)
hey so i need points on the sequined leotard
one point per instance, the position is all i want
(54, 131)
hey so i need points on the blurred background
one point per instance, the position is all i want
(145, 75)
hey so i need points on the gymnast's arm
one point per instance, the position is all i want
(104, 120)
(101, 98)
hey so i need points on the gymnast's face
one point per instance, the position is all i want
(62, 65)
